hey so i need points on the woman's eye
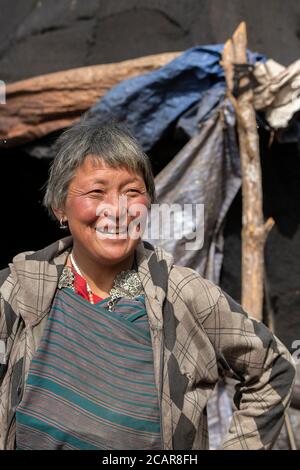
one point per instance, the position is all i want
(96, 192)
(132, 192)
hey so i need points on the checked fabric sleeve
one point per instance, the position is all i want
(248, 351)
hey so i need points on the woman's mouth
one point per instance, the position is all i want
(111, 231)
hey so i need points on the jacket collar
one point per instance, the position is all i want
(37, 274)
(154, 265)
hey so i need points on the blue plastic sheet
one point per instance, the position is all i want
(150, 103)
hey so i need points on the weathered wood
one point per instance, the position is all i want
(254, 230)
(40, 105)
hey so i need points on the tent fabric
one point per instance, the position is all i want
(206, 171)
(150, 103)
(219, 414)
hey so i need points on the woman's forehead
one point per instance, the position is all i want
(97, 170)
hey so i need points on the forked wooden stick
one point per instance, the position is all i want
(255, 231)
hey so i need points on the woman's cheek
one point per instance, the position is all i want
(84, 210)
(142, 200)
(138, 206)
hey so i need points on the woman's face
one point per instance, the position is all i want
(103, 208)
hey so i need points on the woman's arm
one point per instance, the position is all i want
(247, 350)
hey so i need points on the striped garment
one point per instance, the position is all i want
(91, 382)
(197, 331)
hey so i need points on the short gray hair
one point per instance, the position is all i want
(111, 143)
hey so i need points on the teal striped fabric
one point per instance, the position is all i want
(91, 382)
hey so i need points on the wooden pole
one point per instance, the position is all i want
(254, 231)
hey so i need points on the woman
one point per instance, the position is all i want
(105, 343)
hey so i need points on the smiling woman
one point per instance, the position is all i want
(93, 211)
(105, 342)
(93, 188)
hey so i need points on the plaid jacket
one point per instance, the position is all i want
(198, 332)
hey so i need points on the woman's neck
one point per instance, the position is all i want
(99, 276)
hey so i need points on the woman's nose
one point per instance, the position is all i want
(115, 207)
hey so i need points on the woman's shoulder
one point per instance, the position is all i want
(193, 287)
(186, 283)
(21, 262)
(9, 273)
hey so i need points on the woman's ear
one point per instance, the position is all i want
(59, 213)
(61, 217)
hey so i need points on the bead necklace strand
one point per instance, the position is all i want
(89, 290)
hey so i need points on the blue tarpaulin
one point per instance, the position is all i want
(150, 103)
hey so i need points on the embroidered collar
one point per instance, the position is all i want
(126, 284)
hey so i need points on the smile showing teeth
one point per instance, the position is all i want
(111, 232)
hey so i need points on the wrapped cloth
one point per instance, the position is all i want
(278, 91)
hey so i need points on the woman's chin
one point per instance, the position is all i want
(115, 249)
